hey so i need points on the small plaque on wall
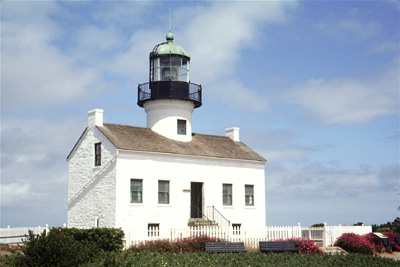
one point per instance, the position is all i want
(186, 190)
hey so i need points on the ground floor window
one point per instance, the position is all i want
(153, 229)
(236, 228)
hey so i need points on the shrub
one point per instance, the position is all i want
(189, 244)
(56, 248)
(354, 243)
(392, 237)
(107, 239)
(375, 241)
(305, 246)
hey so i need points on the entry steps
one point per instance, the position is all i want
(201, 222)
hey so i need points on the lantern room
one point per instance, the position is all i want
(169, 75)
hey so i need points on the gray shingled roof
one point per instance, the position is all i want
(144, 139)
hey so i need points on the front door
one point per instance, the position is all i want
(196, 200)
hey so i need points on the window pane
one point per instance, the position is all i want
(97, 154)
(227, 194)
(136, 191)
(249, 195)
(163, 192)
(182, 127)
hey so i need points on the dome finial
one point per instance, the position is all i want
(170, 37)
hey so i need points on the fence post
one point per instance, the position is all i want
(325, 237)
(299, 235)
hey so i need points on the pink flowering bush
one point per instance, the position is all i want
(305, 246)
(375, 241)
(354, 243)
(392, 235)
(189, 244)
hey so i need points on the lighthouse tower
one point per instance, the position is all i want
(169, 97)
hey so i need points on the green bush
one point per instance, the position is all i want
(69, 246)
(56, 248)
(354, 243)
(107, 239)
(237, 259)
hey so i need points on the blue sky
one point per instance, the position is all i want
(313, 86)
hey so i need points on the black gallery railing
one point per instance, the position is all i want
(169, 90)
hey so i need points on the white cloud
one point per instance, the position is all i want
(35, 72)
(351, 100)
(216, 36)
(339, 195)
(349, 27)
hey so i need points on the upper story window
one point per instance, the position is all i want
(249, 195)
(163, 192)
(97, 154)
(227, 194)
(136, 191)
(182, 127)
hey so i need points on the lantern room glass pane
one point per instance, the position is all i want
(170, 68)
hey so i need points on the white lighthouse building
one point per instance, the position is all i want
(164, 176)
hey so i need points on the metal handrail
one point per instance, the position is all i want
(220, 218)
(193, 91)
(200, 212)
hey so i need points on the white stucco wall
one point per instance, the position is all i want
(181, 171)
(162, 116)
(98, 200)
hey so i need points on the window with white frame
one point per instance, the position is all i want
(236, 228)
(97, 154)
(227, 194)
(163, 192)
(136, 191)
(249, 195)
(153, 229)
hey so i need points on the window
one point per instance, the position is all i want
(97, 154)
(227, 194)
(182, 127)
(136, 191)
(249, 195)
(236, 228)
(163, 192)
(153, 229)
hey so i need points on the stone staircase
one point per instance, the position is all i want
(333, 250)
(201, 222)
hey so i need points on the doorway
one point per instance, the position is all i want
(196, 200)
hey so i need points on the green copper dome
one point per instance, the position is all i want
(169, 48)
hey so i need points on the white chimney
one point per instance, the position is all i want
(232, 133)
(95, 118)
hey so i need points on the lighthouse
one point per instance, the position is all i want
(169, 97)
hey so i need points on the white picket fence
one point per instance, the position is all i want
(326, 235)
(14, 236)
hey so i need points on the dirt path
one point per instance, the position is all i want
(395, 255)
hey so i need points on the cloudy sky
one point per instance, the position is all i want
(313, 86)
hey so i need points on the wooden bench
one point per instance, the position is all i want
(278, 246)
(225, 247)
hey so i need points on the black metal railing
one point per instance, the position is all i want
(217, 216)
(169, 90)
(196, 213)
